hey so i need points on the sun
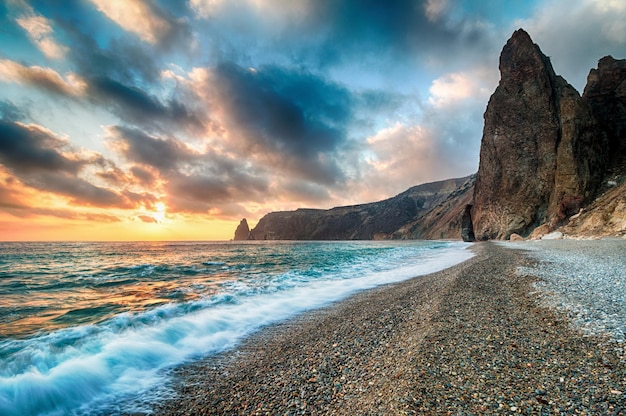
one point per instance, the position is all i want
(159, 213)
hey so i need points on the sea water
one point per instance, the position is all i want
(94, 328)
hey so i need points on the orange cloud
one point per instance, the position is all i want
(147, 218)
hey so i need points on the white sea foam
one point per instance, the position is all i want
(90, 368)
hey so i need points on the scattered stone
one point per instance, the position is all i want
(540, 232)
(580, 212)
(555, 235)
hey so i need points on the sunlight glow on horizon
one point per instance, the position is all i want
(152, 120)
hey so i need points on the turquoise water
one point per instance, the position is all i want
(92, 328)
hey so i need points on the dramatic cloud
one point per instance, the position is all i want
(144, 176)
(215, 190)
(193, 181)
(184, 112)
(43, 161)
(44, 78)
(147, 218)
(291, 120)
(27, 148)
(125, 60)
(435, 9)
(396, 146)
(138, 147)
(134, 105)
(9, 111)
(373, 29)
(24, 202)
(456, 87)
(39, 30)
(145, 19)
(296, 9)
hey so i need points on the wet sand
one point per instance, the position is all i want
(472, 339)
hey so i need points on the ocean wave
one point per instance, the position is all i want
(88, 367)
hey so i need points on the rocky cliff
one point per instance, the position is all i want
(377, 220)
(444, 220)
(542, 153)
(605, 93)
(604, 217)
(549, 159)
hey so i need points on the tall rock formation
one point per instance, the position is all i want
(541, 147)
(243, 231)
(605, 93)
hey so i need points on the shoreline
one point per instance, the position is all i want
(471, 339)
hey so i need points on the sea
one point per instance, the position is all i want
(92, 328)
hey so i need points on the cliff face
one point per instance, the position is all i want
(605, 93)
(541, 150)
(378, 220)
(604, 217)
(445, 220)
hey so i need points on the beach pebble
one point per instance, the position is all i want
(555, 235)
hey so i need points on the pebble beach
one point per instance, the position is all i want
(477, 338)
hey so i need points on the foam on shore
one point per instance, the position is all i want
(93, 367)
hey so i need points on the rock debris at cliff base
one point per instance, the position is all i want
(467, 340)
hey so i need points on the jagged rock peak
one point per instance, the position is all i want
(521, 60)
(608, 79)
(540, 146)
(243, 231)
(606, 94)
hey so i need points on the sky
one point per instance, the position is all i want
(175, 119)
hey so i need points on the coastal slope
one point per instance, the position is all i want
(377, 220)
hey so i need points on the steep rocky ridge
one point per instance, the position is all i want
(541, 147)
(605, 93)
(377, 220)
(443, 221)
(604, 217)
